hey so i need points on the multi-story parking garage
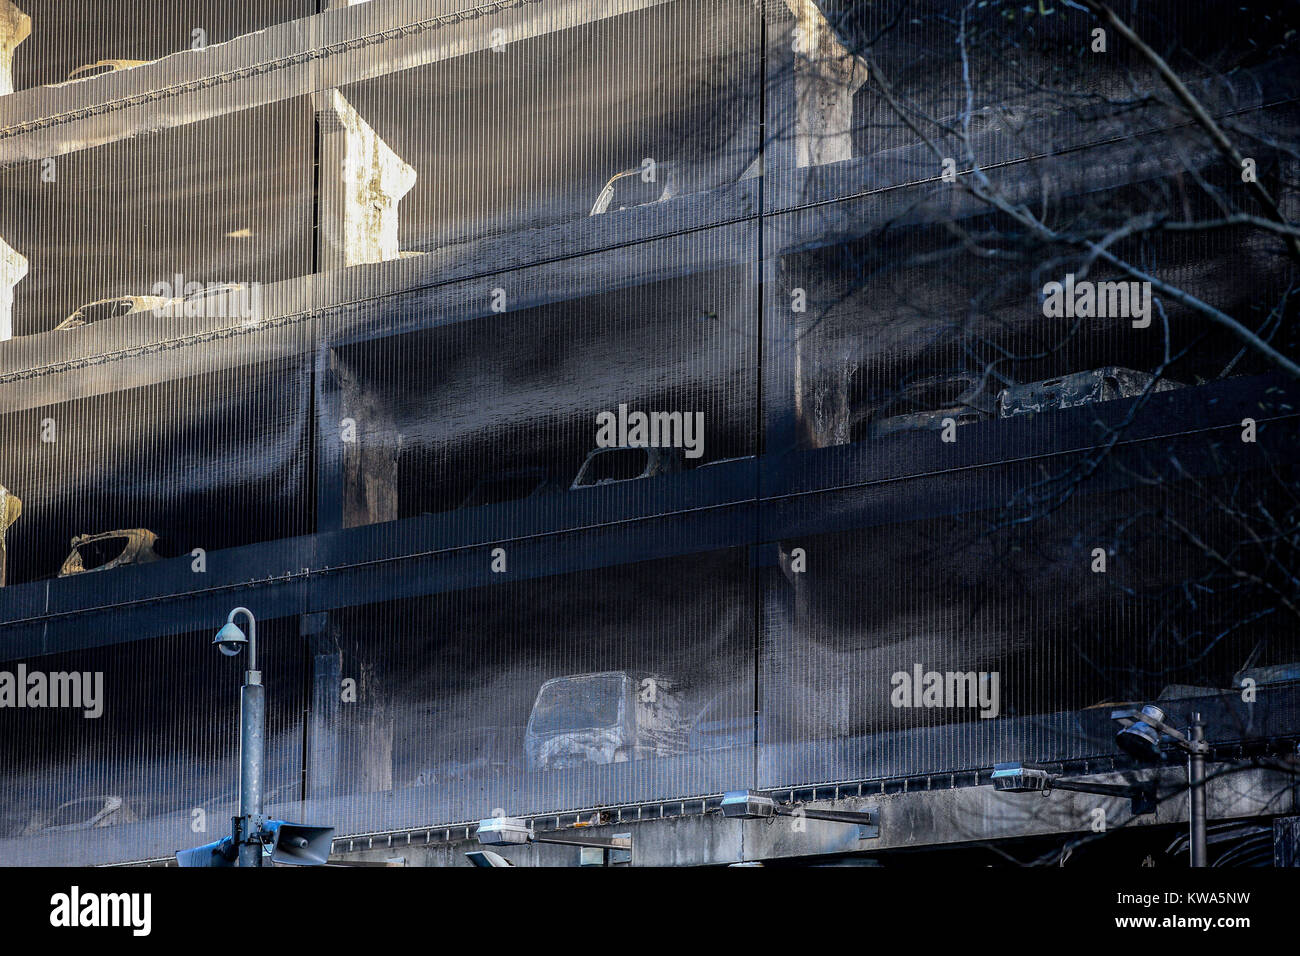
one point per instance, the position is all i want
(320, 312)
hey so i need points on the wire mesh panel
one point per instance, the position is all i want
(136, 476)
(621, 402)
(659, 103)
(536, 692)
(78, 42)
(945, 635)
(608, 386)
(131, 751)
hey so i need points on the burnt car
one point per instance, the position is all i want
(514, 484)
(102, 309)
(605, 718)
(629, 188)
(924, 403)
(88, 71)
(609, 465)
(1104, 384)
(85, 813)
(112, 549)
(1273, 674)
(221, 300)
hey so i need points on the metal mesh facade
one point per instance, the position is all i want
(426, 246)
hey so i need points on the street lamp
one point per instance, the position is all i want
(753, 805)
(294, 844)
(230, 640)
(1143, 734)
(517, 831)
(1019, 778)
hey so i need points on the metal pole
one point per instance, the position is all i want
(252, 723)
(252, 713)
(1196, 791)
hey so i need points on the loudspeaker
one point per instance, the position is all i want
(297, 844)
(222, 853)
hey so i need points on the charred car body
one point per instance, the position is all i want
(924, 403)
(112, 549)
(88, 71)
(111, 308)
(84, 813)
(726, 722)
(604, 718)
(642, 186)
(1104, 384)
(927, 403)
(606, 466)
(219, 300)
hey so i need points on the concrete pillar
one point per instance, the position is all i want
(788, 669)
(361, 182)
(826, 77)
(12, 269)
(323, 708)
(10, 509)
(15, 27)
(349, 739)
(374, 724)
(826, 375)
(777, 702)
(370, 458)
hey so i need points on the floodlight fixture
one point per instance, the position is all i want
(1022, 778)
(1143, 734)
(755, 805)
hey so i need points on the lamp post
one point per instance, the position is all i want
(1143, 734)
(290, 844)
(230, 640)
(1196, 781)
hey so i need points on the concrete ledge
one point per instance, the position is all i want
(908, 821)
(331, 49)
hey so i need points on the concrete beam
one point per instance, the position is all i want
(826, 76)
(931, 819)
(361, 182)
(13, 266)
(15, 27)
(979, 814)
(331, 49)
